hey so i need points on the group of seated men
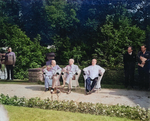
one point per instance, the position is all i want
(53, 72)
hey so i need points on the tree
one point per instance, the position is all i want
(29, 54)
(61, 17)
(116, 40)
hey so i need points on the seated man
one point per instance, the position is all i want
(48, 77)
(92, 72)
(53, 74)
(70, 70)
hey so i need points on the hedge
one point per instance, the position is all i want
(134, 113)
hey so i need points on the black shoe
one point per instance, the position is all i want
(52, 90)
(46, 89)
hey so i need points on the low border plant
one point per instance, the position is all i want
(134, 113)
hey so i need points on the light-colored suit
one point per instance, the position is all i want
(72, 69)
(49, 74)
(93, 72)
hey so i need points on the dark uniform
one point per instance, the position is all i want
(144, 71)
(129, 68)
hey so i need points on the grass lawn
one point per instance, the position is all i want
(34, 114)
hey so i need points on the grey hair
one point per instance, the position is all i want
(72, 59)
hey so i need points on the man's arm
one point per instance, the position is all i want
(138, 58)
(86, 70)
(14, 59)
(101, 71)
(76, 69)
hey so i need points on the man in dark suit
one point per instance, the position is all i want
(129, 60)
(144, 67)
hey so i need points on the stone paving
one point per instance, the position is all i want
(105, 96)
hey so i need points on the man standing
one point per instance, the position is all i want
(129, 60)
(10, 60)
(70, 70)
(143, 67)
(92, 72)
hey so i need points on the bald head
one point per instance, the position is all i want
(71, 61)
(9, 49)
(53, 62)
(94, 61)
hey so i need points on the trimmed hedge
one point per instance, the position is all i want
(135, 113)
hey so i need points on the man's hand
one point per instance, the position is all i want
(141, 65)
(143, 59)
(64, 70)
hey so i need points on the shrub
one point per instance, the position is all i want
(135, 113)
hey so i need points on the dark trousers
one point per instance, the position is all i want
(89, 87)
(129, 77)
(10, 71)
(143, 78)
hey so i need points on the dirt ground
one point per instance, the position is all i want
(105, 96)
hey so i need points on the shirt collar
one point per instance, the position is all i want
(130, 53)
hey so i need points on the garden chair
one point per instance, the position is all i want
(98, 85)
(75, 78)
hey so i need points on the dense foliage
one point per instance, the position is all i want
(79, 29)
(30, 54)
(135, 113)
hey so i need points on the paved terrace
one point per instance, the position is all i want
(105, 96)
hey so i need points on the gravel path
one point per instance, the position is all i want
(105, 96)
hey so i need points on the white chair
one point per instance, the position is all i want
(58, 74)
(75, 78)
(98, 85)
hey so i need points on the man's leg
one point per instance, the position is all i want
(7, 67)
(126, 78)
(55, 78)
(132, 78)
(46, 83)
(141, 77)
(94, 83)
(88, 84)
(12, 72)
(69, 86)
(64, 79)
(146, 80)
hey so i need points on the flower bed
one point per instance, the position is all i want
(135, 113)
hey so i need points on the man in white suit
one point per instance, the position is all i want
(70, 70)
(93, 72)
(52, 74)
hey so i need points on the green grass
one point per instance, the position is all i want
(34, 114)
(17, 81)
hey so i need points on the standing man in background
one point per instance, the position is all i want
(10, 61)
(129, 60)
(144, 68)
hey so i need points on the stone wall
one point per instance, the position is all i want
(35, 75)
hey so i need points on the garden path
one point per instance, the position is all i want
(105, 96)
